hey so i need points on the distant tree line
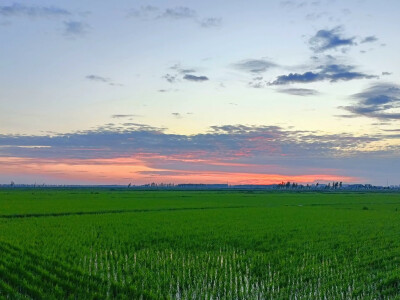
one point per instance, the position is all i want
(294, 185)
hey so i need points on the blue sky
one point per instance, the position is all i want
(255, 91)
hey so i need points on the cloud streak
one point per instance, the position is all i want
(21, 10)
(255, 65)
(380, 101)
(299, 92)
(369, 39)
(195, 78)
(175, 14)
(179, 12)
(330, 72)
(123, 116)
(101, 79)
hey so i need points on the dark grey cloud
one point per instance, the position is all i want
(174, 13)
(386, 73)
(381, 101)
(299, 92)
(257, 84)
(177, 115)
(369, 39)
(144, 11)
(298, 78)
(254, 65)
(182, 70)
(75, 28)
(123, 116)
(97, 78)
(291, 4)
(180, 12)
(337, 72)
(330, 72)
(316, 16)
(195, 78)
(328, 39)
(210, 22)
(167, 90)
(324, 59)
(187, 73)
(170, 78)
(71, 28)
(18, 9)
(295, 4)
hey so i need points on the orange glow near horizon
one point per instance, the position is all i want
(137, 171)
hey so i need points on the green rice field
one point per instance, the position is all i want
(132, 244)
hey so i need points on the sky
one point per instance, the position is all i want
(238, 92)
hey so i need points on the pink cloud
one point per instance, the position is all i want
(139, 171)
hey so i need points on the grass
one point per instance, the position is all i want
(89, 244)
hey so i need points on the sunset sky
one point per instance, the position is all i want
(238, 92)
